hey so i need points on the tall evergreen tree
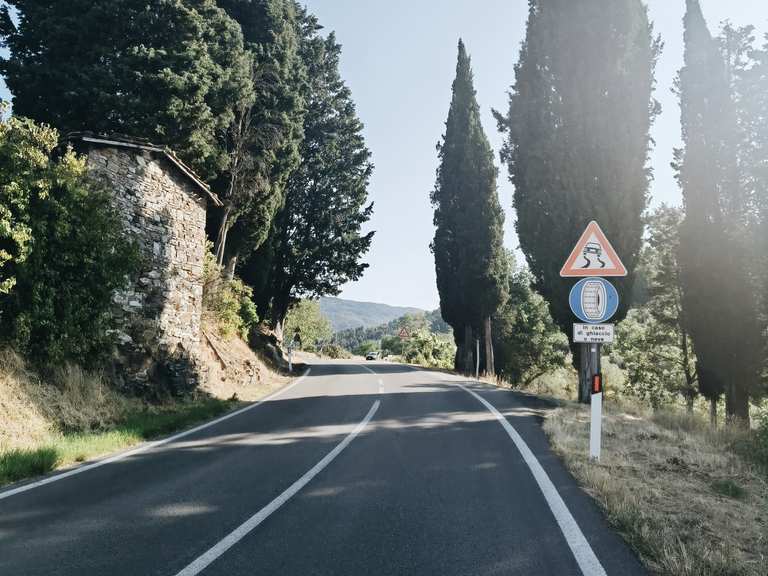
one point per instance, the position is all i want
(578, 137)
(317, 241)
(263, 141)
(717, 288)
(470, 260)
(171, 71)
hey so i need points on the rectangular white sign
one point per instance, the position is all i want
(593, 333)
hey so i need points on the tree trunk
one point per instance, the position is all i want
(221, 237)
(713, 412)
(737, 406)
(468, 349)
(229, 271)
(489, 363)
(689, 403)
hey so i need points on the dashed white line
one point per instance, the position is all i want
(147, 446)
(582, 551)
(206, 559)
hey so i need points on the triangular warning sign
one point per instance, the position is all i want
(593, 256)
(404, 334)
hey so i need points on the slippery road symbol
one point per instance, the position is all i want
(592, 249)
(593, 255)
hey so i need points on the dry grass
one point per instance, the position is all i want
(73, 415)
(236, 371)
(676, 490)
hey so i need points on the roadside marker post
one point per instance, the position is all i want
(594, 301)
(596, 420)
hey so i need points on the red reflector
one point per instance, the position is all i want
(597, 383)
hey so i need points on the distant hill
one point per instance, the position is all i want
(346, 314)
(354, 337)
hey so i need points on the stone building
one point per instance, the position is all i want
(163, 205)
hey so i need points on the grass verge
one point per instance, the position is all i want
(64, 449)
(686, 498)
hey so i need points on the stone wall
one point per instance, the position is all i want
(160, 313)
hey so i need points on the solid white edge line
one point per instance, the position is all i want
(149, 445)
(219, 549)
(582, 551)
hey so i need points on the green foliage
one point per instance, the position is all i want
(264, 138)
(228, 302)
(64, 249)
(718, 290)
(430, 321)
(578, 131)
(317, 241)
(172, 71)
(527, 342)
(431, 350)
(334, 351)
(306, 319)
(392, 345)
(17, 465)
(652, 343)
(468, 246)
(365, 348)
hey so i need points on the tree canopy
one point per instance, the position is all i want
(470, 262)
(577, 128)
(172, 71)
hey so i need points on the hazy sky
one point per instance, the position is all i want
(399, 60)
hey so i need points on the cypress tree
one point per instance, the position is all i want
(263, 140)
(169, 71)
(316, 244)
(578, 137)
(719, 296)
(470, 261)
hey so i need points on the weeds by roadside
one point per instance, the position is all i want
(67, 448)
(684, 496)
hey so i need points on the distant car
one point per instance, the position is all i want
(372, 356)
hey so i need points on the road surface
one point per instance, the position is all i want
(375, 469)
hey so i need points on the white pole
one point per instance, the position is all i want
(595, 426)
(477, 361)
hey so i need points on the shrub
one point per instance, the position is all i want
(228, 303)
(306, 319)
(335, 352)
(63, 251)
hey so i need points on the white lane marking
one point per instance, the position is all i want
(148, 445)
(381, 382)
(582, 551)
(205, 560)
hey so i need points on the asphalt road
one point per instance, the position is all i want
(355, 470)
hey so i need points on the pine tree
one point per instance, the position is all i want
(578, 137)
(470, 261)
(317, 241)
(718, 292)
(263, 141)
(169, 71)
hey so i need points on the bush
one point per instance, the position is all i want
(228, 303)
(430, 350)
(306, 319)
(335, 352)
(63, 252)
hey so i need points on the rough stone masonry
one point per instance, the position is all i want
(163, 205)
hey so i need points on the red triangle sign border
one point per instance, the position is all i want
(569, 269)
